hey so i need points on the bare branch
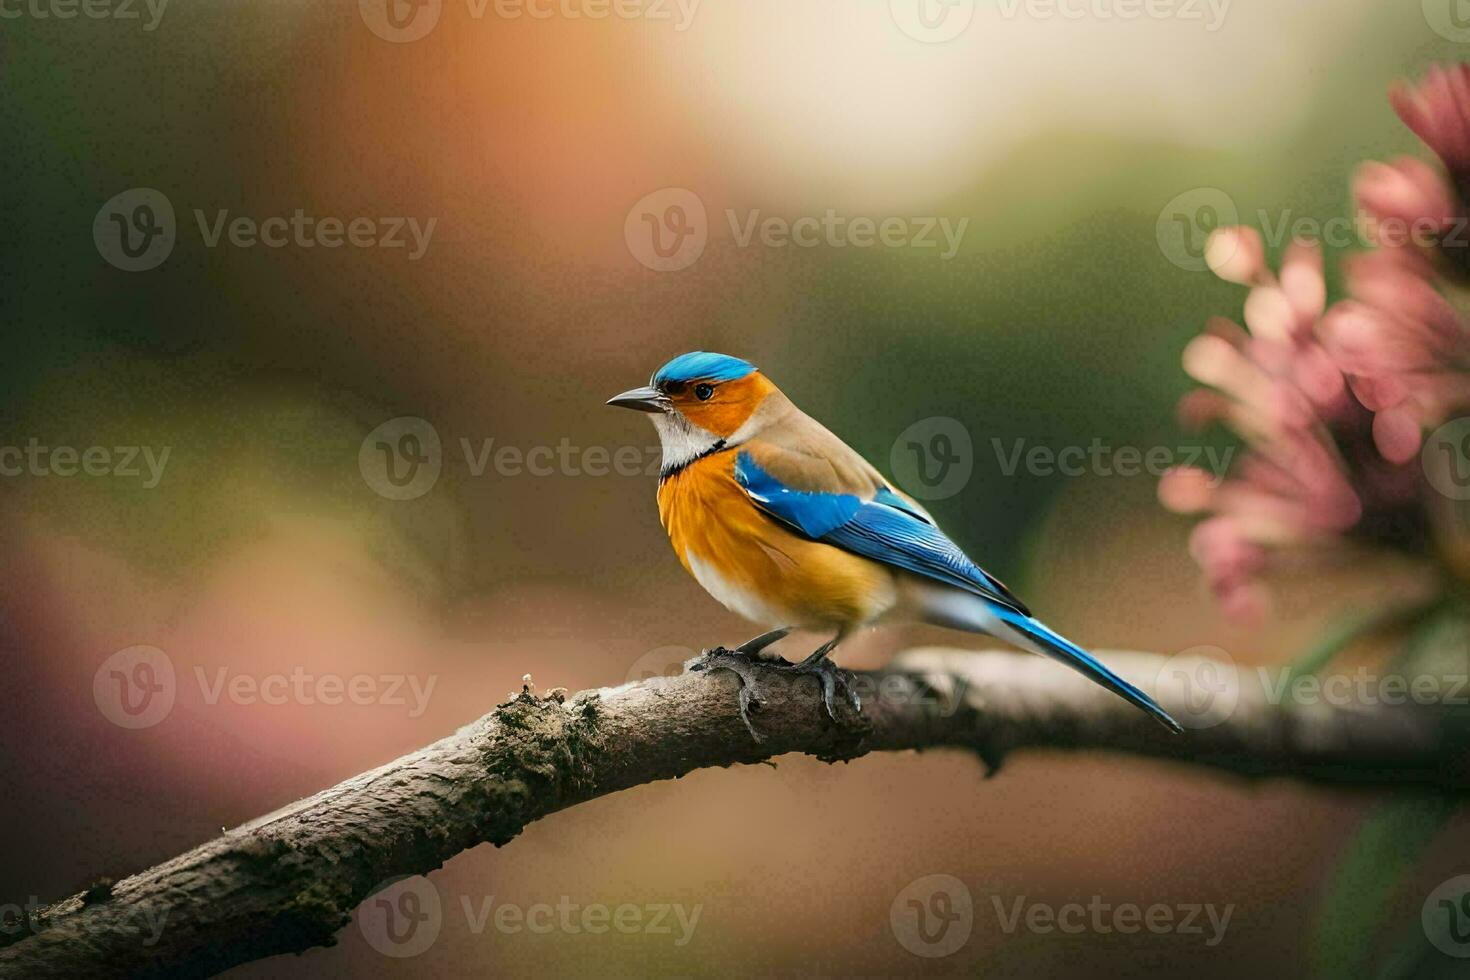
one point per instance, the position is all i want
(290, 880)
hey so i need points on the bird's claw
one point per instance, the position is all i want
(831, 677)
(742, 665)
(746, 664)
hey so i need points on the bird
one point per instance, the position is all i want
(785, 524)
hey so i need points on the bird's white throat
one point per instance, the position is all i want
(682, 440)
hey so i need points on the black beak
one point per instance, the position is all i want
(643, 399)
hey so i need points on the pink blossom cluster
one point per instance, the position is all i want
(1333, 402)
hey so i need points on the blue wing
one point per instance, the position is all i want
(886, 528)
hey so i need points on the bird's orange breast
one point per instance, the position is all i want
(758, 567)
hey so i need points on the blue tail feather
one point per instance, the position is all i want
(1061, 649)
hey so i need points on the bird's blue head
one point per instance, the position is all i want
(699, 365)
(701, 393)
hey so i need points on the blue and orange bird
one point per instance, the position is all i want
(786, 525)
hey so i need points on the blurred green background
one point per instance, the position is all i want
(1065, 143)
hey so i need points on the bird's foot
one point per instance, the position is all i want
(832, 678)
(755, 693)
(743, 664)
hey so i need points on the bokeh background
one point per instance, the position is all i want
(1072, 146)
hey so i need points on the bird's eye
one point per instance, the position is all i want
(703, 391)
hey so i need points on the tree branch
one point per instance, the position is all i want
(290, 880)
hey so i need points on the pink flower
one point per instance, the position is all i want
(1438, 111)
(1277, 388)
(1332, 404)
(1403, 346)
(1411, 201)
